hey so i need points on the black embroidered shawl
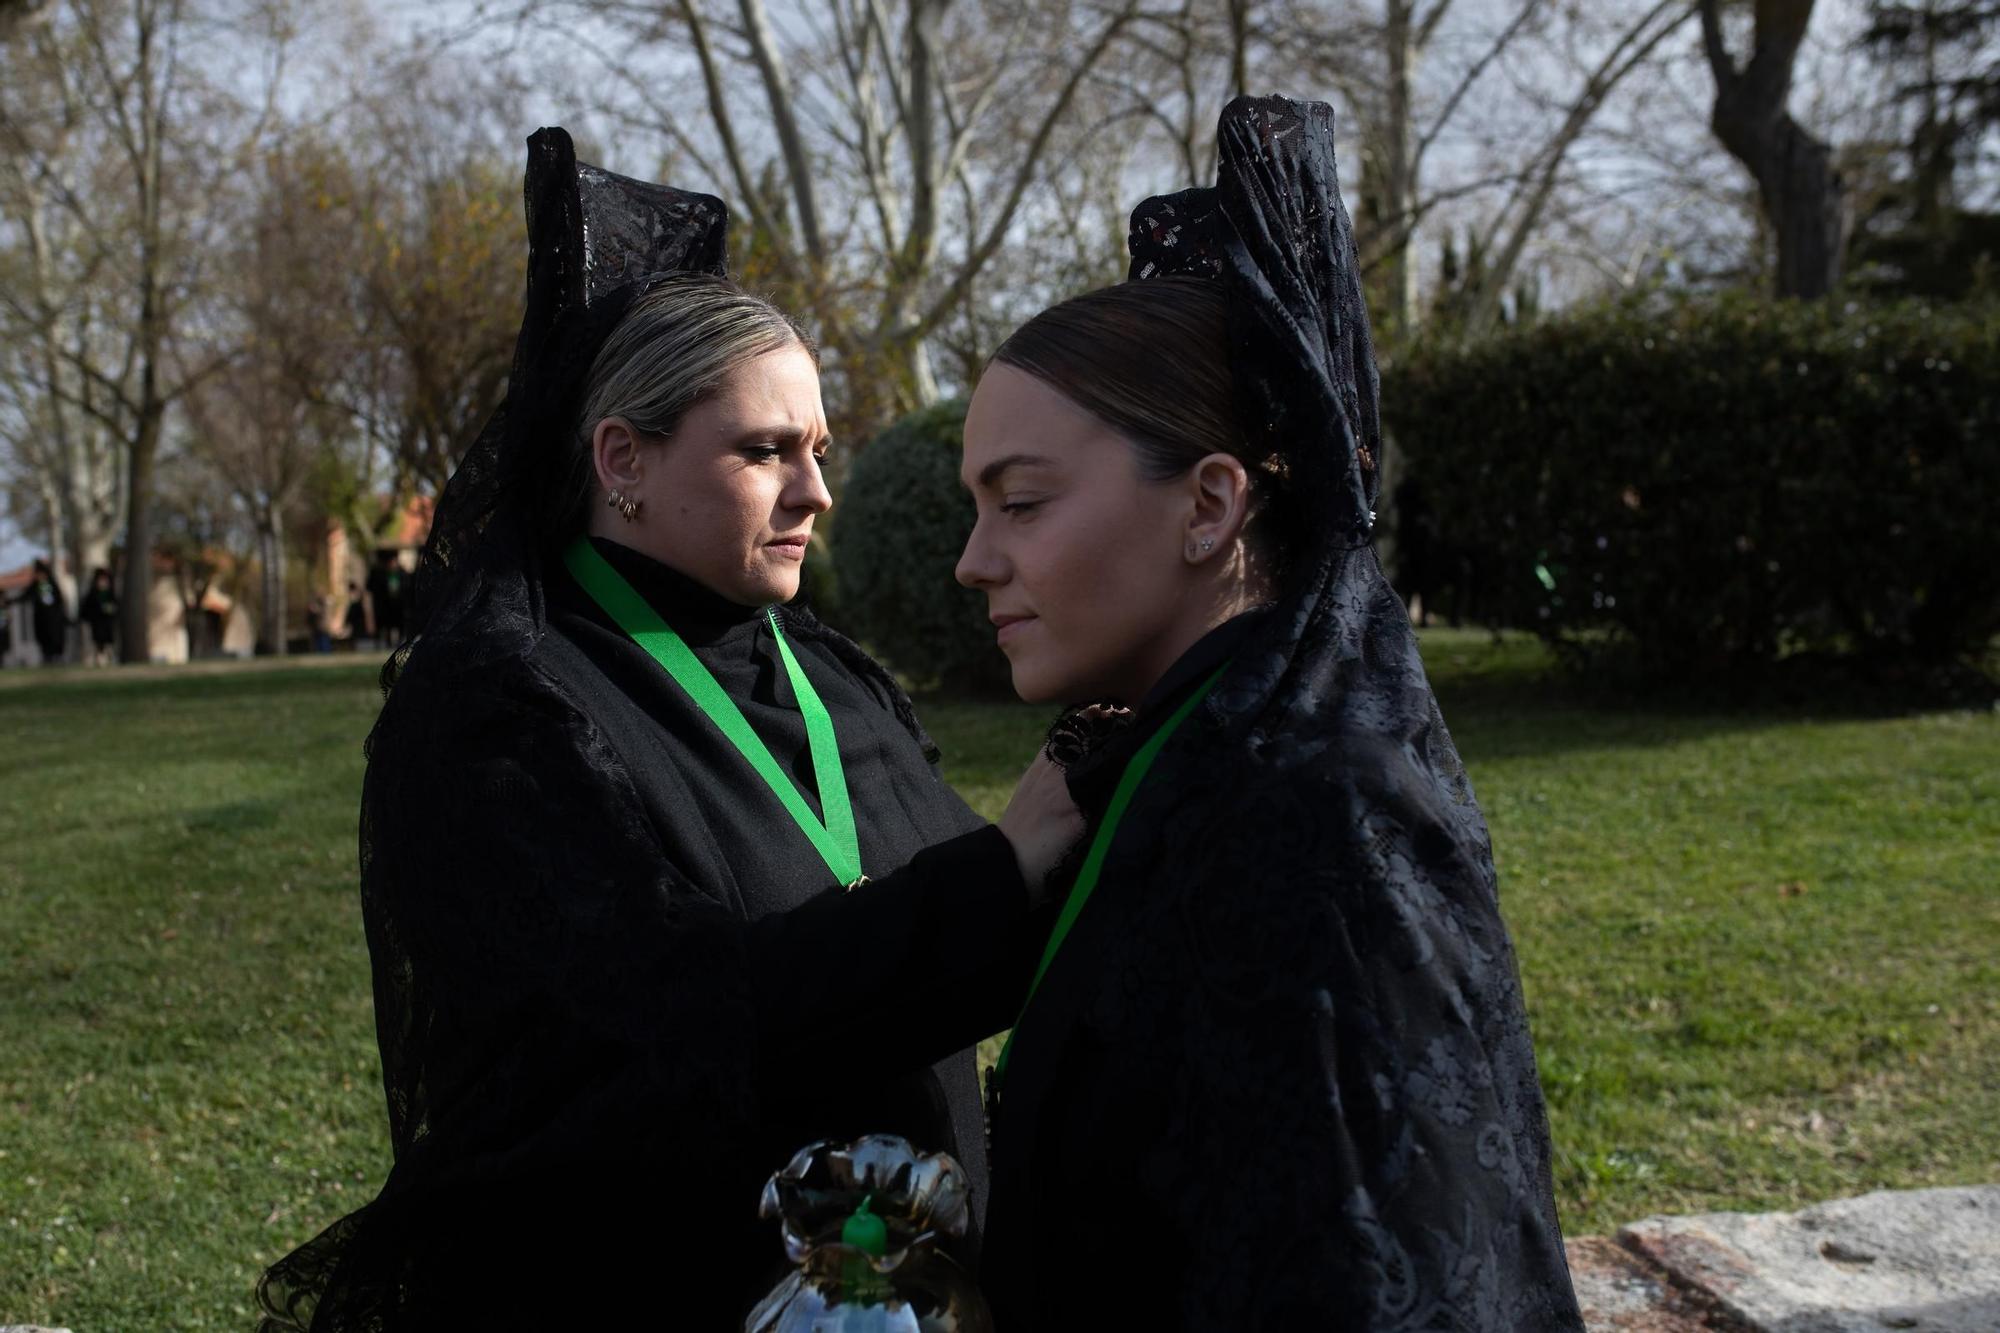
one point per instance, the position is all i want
(1280, 1076)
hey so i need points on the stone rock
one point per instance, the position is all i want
(1926, 1260)
(1622, 1293)
(29, 1328)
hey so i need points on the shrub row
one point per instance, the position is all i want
(1714, 488)
(901, 526)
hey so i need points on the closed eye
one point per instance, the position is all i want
(1021, 506)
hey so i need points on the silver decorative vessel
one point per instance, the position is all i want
(863, 1224)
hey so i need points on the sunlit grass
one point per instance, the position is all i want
(1762, 954)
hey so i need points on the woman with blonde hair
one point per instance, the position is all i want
(659, 878)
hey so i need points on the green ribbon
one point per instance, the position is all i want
(1100, 847)
(834, 839)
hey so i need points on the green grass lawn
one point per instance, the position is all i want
(1762, 953)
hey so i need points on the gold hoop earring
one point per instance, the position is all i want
(627, 508)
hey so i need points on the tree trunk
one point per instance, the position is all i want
(1803, 195)
(778, 95)
(134, 606)
(1398, 187)
(271, 559)
(1806, 200)
(56, 533)
(1239, 48)
(145, 143)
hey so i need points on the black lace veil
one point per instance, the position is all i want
(1273, 229)
(596, 242)
(1407, 1173)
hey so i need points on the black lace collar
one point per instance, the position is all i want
(696, 611)
(1091, 777)
(1207, 653)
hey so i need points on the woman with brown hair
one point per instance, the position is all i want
(1274, 1071)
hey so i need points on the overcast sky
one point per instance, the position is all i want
(1666, 120)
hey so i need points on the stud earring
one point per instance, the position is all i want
(1208, 543)
(627, 507)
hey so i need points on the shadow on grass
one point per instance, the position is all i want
(246, 680)
(1509, 698)
(1504, 698)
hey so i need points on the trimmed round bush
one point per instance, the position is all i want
(1713, 488)
(903, 521)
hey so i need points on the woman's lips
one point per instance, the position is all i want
(792, 548)
(1009, 626)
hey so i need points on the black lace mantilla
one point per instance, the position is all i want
(1302, 1006)
(597, 241)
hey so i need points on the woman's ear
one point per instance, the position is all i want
(614, 448)
(1219, 488)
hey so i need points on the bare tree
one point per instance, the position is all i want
(409, 279)
(144, 182)
(1800, 186)
(838, 128)
(1507, 236)
(1379, 71)
(258, 430)
(57, 319)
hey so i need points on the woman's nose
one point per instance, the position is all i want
(808, 490)
(979, 566)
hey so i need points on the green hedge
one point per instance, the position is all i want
(902, 523)
(1713, 488)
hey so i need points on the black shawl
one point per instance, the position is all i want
(1280, 1075)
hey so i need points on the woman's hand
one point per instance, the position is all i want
(1042, 823)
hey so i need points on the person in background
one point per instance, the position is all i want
(48, 613)
(322, 642)
(99, 612)
(385, 594)
(357, 614)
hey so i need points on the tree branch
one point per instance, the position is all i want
(1428, 28)
(725, 130)
(1024, 174)
(1719, 61)
(1472, 75)
(1532, 196)
(777, 93)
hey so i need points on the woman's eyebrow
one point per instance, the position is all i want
(991, 472)
(780, 434)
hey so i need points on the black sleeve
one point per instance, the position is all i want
(926, 961)
(510, 859)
